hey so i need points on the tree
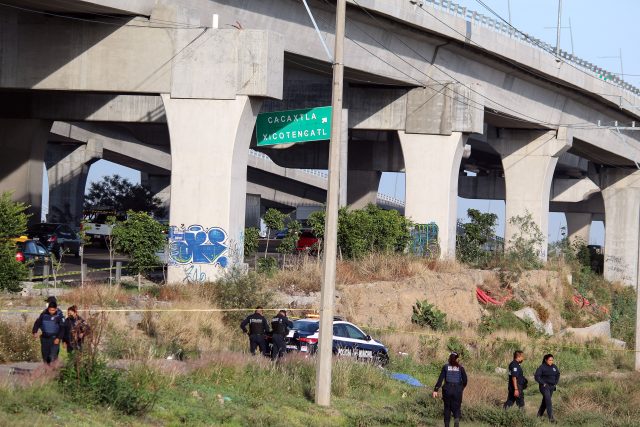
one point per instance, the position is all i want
(141, 238)
(251, 237)
(525, 246)
(13, 223)
(275, 221)
(289, 243)
(479, 231)
(362, 231)
(119, 194)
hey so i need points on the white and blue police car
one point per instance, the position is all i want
(348, 341)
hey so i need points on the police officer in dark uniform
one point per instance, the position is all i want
(455, 380)
(51, 324)
(258, 328)
(280, 326)
(547, 376)
(517, 382)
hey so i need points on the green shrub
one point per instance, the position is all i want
(238, 290)
(455, 344)
(471, 244)
(363, 231)
(267, 266)
(514, 305)
(623, 315)
(525, 246)
(13, 223)
(425, 314)
(90, 381)
(251, 238)
(140, 237)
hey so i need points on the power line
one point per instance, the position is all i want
(76, 18)
(482, 106)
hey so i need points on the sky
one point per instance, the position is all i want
(599, 29)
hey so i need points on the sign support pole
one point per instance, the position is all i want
(325, 342)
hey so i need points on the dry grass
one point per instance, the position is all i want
(304, 274)
(100, 295)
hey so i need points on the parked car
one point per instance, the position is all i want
(96, 225)
(33, 254)
(56, 238)
(348, 341)
(307, 242)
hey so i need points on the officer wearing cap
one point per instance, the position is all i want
(455, 380)
(280, 325)
(258, 328)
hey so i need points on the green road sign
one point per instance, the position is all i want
(287, 127)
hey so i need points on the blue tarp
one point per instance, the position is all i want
(406, 379)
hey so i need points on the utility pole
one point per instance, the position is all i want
(559, 27)
(637, 353)
(509, 8)
(325, 341)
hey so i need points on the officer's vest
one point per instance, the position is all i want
(50, 325)
(256, 326)
(454, 375)
(278, 326)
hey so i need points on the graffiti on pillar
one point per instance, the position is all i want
(618, 267)
(198, 245)
(424, 240)
(194, 274)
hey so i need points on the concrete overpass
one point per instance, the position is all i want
(423, 82)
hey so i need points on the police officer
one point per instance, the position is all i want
(517, 382)
(547, 376)
(258, 328)
(455, 380)
(280, 325)
(51, 323)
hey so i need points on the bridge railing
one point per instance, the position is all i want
(500, 26)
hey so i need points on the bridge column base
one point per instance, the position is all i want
(23, 144)
(432, 167)
(529, 160)
(578, 227)
(67, 169)
(362, 188)
(621, 194)
(209, 147)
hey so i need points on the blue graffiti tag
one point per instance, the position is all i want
(197, 245)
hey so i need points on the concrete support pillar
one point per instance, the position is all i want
(621, 194)
(578, 226)
(67, 169)
(362, 188)
(160, 187)
(529, 160)
(209, 145)
(432, 166)
(23, 144)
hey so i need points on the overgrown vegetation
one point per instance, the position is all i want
(251, 237)
(13, 224)
(478, 233)
(365, 231)
(274, 219)
(427, 315)
(140, 237)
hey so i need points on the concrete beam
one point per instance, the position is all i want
(50, 53)
(118, 146)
